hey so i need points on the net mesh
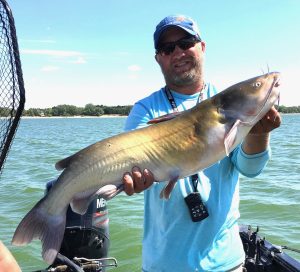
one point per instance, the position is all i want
(12, 92)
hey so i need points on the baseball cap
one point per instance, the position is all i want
(184, 22)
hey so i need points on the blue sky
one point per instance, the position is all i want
(101, 52)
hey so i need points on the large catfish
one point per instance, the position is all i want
(173, 149)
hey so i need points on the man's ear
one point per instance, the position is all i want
(203, 46)
(156, 58)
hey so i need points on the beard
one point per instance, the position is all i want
(185, 78)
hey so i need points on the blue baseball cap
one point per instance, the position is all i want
(181, 21)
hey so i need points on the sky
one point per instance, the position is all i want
(101, 52)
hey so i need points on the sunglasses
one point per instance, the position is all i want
(184, 44)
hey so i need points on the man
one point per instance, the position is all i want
(7, 260)
(172, 241)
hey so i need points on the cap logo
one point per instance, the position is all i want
(180, 18)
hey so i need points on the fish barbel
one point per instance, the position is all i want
(182, 146)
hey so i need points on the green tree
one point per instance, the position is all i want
(92, 110)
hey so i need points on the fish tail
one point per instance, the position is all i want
(39, 224)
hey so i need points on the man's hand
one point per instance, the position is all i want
(259, 136)
(137, 181)
(270, 121)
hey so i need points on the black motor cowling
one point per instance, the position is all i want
(86, 235)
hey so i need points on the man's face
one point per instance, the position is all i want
(181, 67)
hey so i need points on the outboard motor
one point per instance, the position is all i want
(87, 235)
(86, 240)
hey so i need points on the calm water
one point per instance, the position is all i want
(271, 201)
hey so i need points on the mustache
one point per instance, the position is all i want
(191, 59)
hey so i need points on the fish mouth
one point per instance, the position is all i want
(275, 84)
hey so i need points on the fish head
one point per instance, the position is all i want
(249, 100)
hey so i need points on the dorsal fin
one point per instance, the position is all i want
(64, 163)
(165, 117)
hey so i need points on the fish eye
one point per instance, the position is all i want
(257, 84)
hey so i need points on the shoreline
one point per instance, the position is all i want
(75, 116)
(108, 116)
(102, 116)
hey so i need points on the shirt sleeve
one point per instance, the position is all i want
(250, 165)
(138, 117)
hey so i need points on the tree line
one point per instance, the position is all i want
(98, 110)
(284, 109)
(71, 110)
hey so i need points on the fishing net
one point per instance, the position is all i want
(12, 92)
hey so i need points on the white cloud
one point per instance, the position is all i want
(49, 68)
(79, 60)
(53, 53)
(134, 68)
(38, 41)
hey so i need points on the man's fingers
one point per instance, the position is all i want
(128, 184)
(273, 119)
(149, 178)
(138, 179)
(276, 119)
(270, 121)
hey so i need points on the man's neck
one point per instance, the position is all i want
(188, 89)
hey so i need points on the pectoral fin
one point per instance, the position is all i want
(80, 202)
(231, 136)
(109, 191)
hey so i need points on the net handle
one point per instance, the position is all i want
(15, 58)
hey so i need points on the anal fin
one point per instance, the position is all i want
(166, 191)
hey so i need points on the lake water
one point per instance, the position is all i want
(271, 201)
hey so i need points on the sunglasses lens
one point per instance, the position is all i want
(184, 44)
(167, 49)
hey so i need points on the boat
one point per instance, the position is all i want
(262, 255)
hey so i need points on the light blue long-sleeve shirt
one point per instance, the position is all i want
(172, 242)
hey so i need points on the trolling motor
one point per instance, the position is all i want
(86, 240)
(261, 255)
